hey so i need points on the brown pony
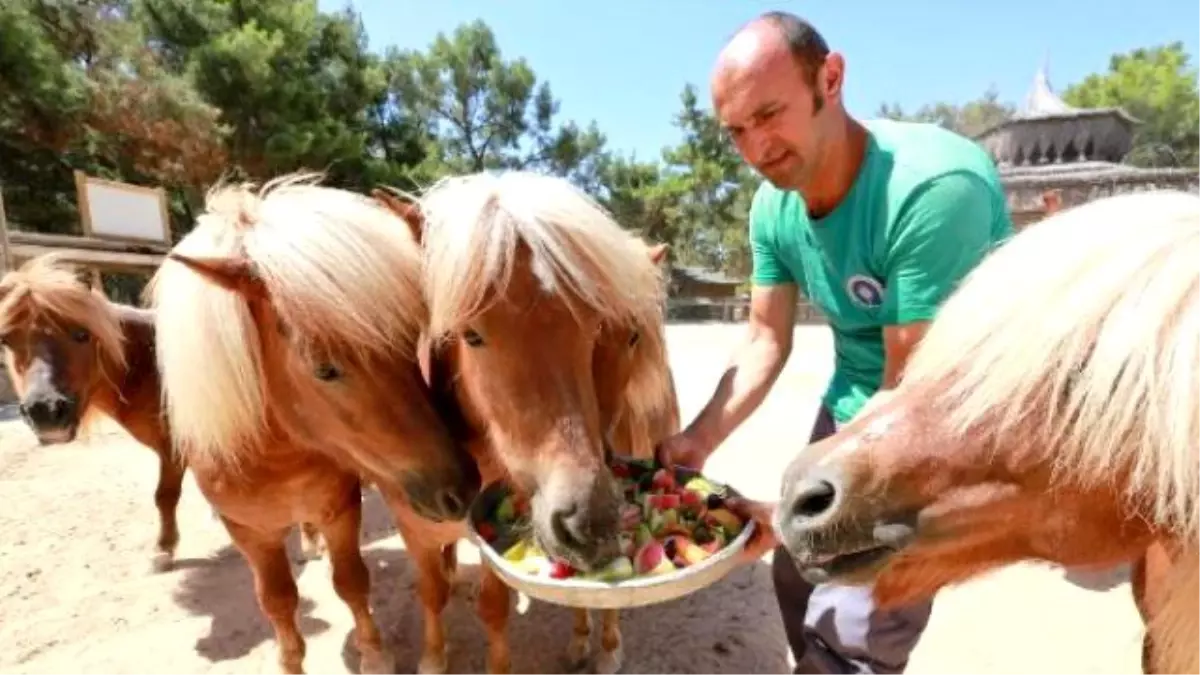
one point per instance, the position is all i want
(1050, 413)
(73, 356)
(547, 338)
(287, 323)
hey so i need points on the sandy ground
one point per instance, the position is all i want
(78, 523)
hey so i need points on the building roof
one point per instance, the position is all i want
(1047, 129)
(703, 275)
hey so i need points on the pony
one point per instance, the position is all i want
(1050, 413)
(287, 322)
(547, 340)
(73, 357)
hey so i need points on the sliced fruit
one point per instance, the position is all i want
(649, 557)
(662, 502)
(518, 551)
(711, 546)
(727, 520)
(693, 553)
(631, 517)
(663, 480)
(664, 567)
(506, 511)
(617, 570)
(486, 531)
(560, 570)
(703, 486)
(642, 535)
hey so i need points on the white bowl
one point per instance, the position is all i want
(592, 594)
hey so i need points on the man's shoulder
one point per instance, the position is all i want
(771, 205)
(920, 154)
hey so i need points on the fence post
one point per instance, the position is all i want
(5, 252)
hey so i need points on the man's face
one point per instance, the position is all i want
(776, 118)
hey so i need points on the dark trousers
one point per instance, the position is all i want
(836, 629)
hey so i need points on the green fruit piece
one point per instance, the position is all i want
(704, 487)
(664, 566)
(506, 511)
(518, 551)
(642, 535)
(618, 570)
(725, 518)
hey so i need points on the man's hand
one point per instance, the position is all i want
(764, 539)
(682, 450)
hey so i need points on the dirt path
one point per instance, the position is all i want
(79, 521)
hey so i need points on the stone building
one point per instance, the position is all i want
(1053, 154)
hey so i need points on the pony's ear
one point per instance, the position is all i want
(409, 212)
(236, 274)
(658, 253)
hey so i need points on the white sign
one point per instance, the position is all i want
(112, 210)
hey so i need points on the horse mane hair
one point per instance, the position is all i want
(474, 226)
(341, 272)
(1081, 335)
(49, 287)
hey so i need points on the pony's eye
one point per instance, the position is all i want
(327, 372)
(472, 338)
(80, 335)
(633, 339)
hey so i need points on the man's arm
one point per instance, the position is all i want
(756, 363)
(943, 234)
(754, 366)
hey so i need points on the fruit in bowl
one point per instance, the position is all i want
(669, 522)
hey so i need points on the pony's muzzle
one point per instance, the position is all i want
(51, 413)
(442, 500)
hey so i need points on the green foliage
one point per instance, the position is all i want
(969, 119)
(1158, 87)
(179, 93)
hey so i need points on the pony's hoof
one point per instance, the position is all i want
(163, 561)
(434, 664)
(377, 661)
(608, 663)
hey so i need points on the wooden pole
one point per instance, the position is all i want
(5, 251)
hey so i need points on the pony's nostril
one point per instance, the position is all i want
(813, 499)
(561, 521)
(451, 504)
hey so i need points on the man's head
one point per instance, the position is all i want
(778, 90)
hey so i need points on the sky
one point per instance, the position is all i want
(623, 63)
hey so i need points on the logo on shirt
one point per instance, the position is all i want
(865, 291)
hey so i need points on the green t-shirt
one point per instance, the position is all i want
(926, 206)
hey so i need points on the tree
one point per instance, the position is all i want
(79, 91)
(297, 87)
(1157, 86)
(969, 119)
(490, 113)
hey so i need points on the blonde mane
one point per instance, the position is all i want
(50, 288)
(341, 272)
(474, 225)
(1082, 333)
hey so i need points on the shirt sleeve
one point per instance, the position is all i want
(768, 268)
(942, 235)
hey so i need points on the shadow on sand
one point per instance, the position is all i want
(730, 627)
(222, 588)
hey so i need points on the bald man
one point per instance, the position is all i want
(875, 223)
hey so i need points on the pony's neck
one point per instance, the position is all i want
(132, 396)
(1174, 628)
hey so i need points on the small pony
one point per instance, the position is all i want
(547, 339)
(74, 356)
(1051, 412)
(287, 323)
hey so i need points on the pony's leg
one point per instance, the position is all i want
(581, 637)
(166, 499)
(311, 546)
(610, 656)
(275, 588)
(433, 586)
(495, 600)
(352, 581)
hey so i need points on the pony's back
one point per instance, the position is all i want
(1087, 324)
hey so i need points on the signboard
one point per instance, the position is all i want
(112, 210)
